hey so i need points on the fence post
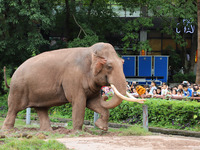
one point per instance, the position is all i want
(28, 115)
(145, 117)
(96, 116)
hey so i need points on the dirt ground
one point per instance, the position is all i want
(110, 140)
(155, 142)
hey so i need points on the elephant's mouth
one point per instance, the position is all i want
(129, 98)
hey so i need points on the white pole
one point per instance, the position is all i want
(28, 115)
(96, 116)
(145, 117)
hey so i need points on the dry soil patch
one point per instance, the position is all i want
(155, 142)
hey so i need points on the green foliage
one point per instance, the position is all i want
(126, 110)
(21, 26)
(172, 15)
(172, 113)
(63, 110)
(174, 59)
(100, 18)
(179, 77)
(3, 105)
(131, 34)
(181, 114)
(87, 41)
(31, 144)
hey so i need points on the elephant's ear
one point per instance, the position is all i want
(97, 64)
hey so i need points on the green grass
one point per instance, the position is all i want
(31, 144)
(10, 142)
(131, 131)
(19, 123)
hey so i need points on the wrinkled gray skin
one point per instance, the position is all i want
(73, 75)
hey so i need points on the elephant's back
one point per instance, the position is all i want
(46, 66)
(39, 79)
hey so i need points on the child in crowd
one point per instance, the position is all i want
(180, 92)
(147, 91)
(174, 92)
(158, 91)
(195, 93)
(180, 86)
(198, 90)
(164, 90)
(153, 87)
(134, 92)
(154, 92)
(187, 91)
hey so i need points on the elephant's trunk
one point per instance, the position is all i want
(120, 92)
(116, 100)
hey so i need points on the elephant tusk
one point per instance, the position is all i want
(129, 95)
(132, 99)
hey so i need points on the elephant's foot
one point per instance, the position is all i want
(48, 129)
(101, 124)
(7, 127)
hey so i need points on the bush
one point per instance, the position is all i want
(181, 114)
(179, 77)
(3, 105)
(163, 112)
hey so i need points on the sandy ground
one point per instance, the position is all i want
(110, 141)
(155, 142)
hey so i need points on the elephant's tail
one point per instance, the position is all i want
(5, 79)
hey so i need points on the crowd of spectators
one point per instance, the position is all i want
(184, 89)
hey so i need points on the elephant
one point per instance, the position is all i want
(71, 75)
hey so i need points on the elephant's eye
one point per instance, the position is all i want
(109, 67)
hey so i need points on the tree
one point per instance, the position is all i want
(182, 15)
(91, 22)
(198, 50)
(20, 29)
(174, 14)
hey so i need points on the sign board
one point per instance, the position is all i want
(129, 66)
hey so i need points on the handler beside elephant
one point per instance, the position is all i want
(73, 75)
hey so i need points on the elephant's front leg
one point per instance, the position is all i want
(94, 104)
(78, 111)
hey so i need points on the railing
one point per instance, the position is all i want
(171, 97)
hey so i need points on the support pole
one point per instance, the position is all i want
(145, 117)
(28, 115)
(96, 116)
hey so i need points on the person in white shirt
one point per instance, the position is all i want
(153, 87)
(164, 90)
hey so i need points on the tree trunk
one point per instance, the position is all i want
(193, 51)
(198, 57)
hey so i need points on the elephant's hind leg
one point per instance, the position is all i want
(14, 106)
(102, 122)
(44, 119)
(10, 119)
